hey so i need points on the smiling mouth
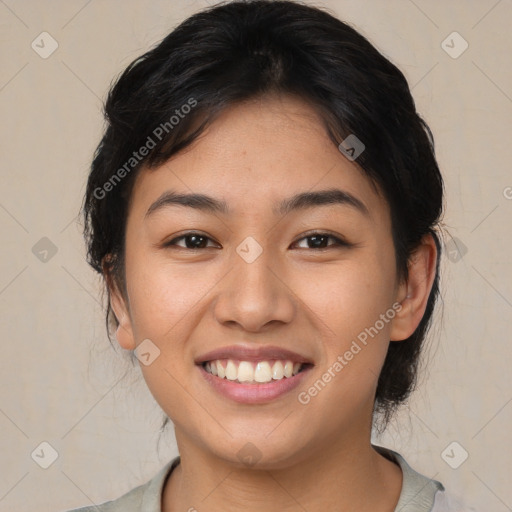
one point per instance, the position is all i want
(254, 372)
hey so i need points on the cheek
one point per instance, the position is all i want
(163, 295)
(167, 302)
(350, 295)
(353, 303)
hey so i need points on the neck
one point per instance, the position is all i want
(340, 476)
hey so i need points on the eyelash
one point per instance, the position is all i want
(339, 242)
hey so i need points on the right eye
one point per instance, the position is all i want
(192, 240)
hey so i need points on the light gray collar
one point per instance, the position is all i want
(418, 491)
(417, 494)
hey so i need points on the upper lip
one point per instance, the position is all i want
(251, 353)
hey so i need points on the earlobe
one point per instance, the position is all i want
(124, 332)
(413, 295)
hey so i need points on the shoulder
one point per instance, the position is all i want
(130, 501)
(143, 498)
(447, 502)
(420, 493)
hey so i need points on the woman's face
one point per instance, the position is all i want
(254, 285)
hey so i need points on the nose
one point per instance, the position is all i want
(255, 295)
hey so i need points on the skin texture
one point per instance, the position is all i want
(313, 301)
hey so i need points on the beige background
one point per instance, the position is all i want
(60, 380)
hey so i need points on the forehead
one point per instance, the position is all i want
(255, 155)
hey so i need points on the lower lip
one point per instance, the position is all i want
(253, 393)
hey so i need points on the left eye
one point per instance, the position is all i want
(319, 241)
(200, 241)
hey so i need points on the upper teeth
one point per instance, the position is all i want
(247, 371)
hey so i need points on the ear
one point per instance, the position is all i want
(119, 304)
(413, 294)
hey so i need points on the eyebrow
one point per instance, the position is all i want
(301, 201)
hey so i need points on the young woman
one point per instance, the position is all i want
(264, 208)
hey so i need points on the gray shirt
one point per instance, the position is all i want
(418, 494)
